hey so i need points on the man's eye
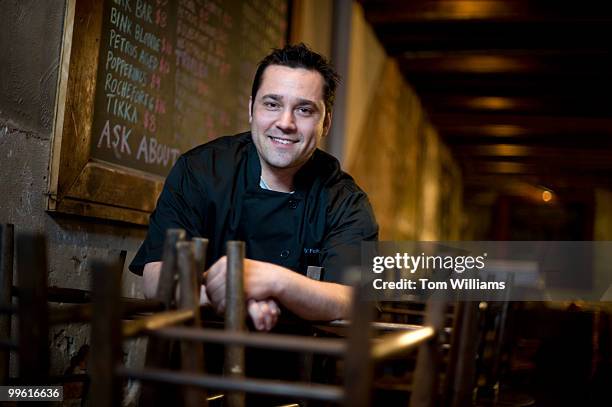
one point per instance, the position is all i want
(271, 105)
(305, 111)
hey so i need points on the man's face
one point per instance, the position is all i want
(288, 117)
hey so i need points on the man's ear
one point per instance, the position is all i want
(327, 123)
(250, 109)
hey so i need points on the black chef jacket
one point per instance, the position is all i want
(213, 192)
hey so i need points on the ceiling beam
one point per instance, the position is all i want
(515, 150)
(512, 125)
(542, 105)
(564, 181)
(454, 36)
(511, 84)
(401, 11)
(551, 169)
(519, 61)
(560, 140)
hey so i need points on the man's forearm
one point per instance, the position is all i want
(307, 298)
(314, 300)
(150, 277)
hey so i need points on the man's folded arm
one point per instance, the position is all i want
(306, 298)
(263, 313)
(150, 278)
(315, 300)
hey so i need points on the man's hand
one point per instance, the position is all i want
(259, 288)
(306, 298)
(260, 281)
(263, 313)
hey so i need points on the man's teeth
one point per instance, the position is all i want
(282, 141)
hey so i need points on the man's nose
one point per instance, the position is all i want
(286, 121)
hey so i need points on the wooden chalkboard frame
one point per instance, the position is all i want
(78, 183)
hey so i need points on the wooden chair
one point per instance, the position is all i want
(34, 310)
(360, 353)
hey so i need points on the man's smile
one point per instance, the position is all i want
(282, 140)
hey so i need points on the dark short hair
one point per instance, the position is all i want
(300, 56)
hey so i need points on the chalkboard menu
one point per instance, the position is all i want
(143, 81)
(174, 74)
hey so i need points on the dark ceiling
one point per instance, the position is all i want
(520, 90)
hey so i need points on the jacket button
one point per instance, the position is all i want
(293, 203)
(285, 253)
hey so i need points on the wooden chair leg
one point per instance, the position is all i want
(159, 350)
(425, 384)
(7, 233)
(235, 315)
(466, 344)
(33, 309)
(106, 338)
(192, 353)
(358, 369)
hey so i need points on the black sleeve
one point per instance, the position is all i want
(179, 206)
(353, 223)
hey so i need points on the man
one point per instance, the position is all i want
(272, 188)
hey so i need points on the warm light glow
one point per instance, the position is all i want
(491, 103)
(503, 167)
(485, 64)
(463, 9)
(508, 150)
(502, 130)
(546, 196)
